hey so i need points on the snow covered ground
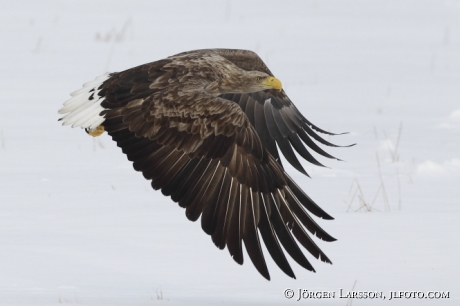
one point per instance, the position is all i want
(78, 225)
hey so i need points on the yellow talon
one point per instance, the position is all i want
(97, 132)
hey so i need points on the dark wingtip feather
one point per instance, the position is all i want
(289, 154)
(300, 148)
(308, 203)
(336, 134)
(272, 244)
(314, 127)
(285, 236)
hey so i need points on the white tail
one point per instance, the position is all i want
(80, 110)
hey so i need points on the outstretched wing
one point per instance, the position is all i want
(274, 116)
(209, 158)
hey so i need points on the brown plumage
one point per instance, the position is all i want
(203, 126)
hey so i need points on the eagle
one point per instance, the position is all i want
(204, 127)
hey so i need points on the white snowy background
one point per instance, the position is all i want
(79, 226)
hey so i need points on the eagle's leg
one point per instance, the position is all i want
(96, 132)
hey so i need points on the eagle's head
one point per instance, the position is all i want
(225, 77)
(241, 81)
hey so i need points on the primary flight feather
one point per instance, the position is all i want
(204, 127)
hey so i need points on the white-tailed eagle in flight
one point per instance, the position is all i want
(204, 127)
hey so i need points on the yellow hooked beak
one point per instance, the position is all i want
(272, 82)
